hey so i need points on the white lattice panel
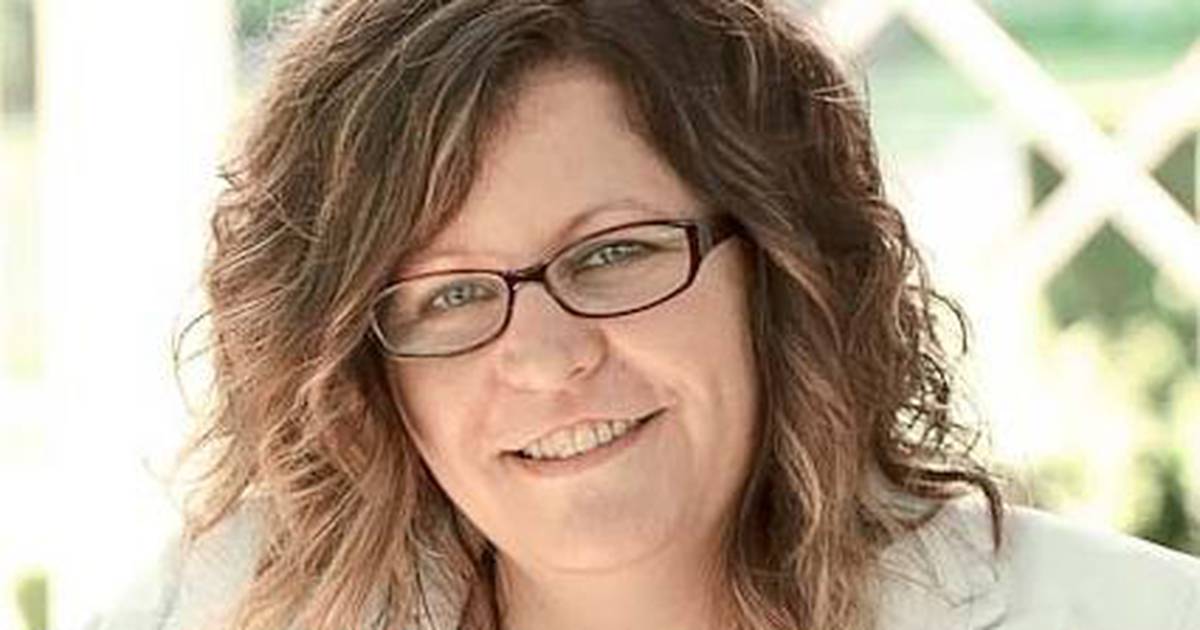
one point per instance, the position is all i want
(1107, 179)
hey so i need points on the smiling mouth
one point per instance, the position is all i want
(571, 443)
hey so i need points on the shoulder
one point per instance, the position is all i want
(1047, 574)
(191, 585)
(197, 585)
(1097, 579)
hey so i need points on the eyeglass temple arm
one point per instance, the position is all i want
(716, 230)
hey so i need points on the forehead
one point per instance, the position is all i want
(564, 162)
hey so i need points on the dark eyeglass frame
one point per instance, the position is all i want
(703, 235)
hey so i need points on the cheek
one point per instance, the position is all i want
(708, 326)
(701, 345)
(427, 409)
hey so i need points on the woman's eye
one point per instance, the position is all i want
(611, 253)
(456, 295)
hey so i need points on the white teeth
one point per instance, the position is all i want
(570, 442)
(585, 439)
(561, 444)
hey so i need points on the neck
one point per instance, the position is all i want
(676, 589)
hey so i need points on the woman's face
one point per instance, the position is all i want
(671, 481)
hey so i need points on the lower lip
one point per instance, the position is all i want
(590, 459)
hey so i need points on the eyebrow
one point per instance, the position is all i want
(558, 238)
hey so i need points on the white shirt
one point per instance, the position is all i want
(1048, 575)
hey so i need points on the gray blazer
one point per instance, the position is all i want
(1049, 575)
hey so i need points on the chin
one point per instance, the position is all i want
(610, 546)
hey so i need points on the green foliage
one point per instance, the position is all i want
(32, 600)
(1137, 23)
(1171, 525)
(1113, 284)
(1177, 173)
(1150, 332)
(17, 46)
(255, 17)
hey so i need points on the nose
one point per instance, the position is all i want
(545, 347)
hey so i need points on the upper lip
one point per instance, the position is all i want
(544, 433)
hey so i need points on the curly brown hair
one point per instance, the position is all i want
(363, 146)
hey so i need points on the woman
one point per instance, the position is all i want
(593, 314)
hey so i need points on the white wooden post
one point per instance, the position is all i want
(135, 98)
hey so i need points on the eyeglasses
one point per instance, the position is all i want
(616, 271)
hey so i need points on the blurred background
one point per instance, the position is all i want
(1045, 153)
